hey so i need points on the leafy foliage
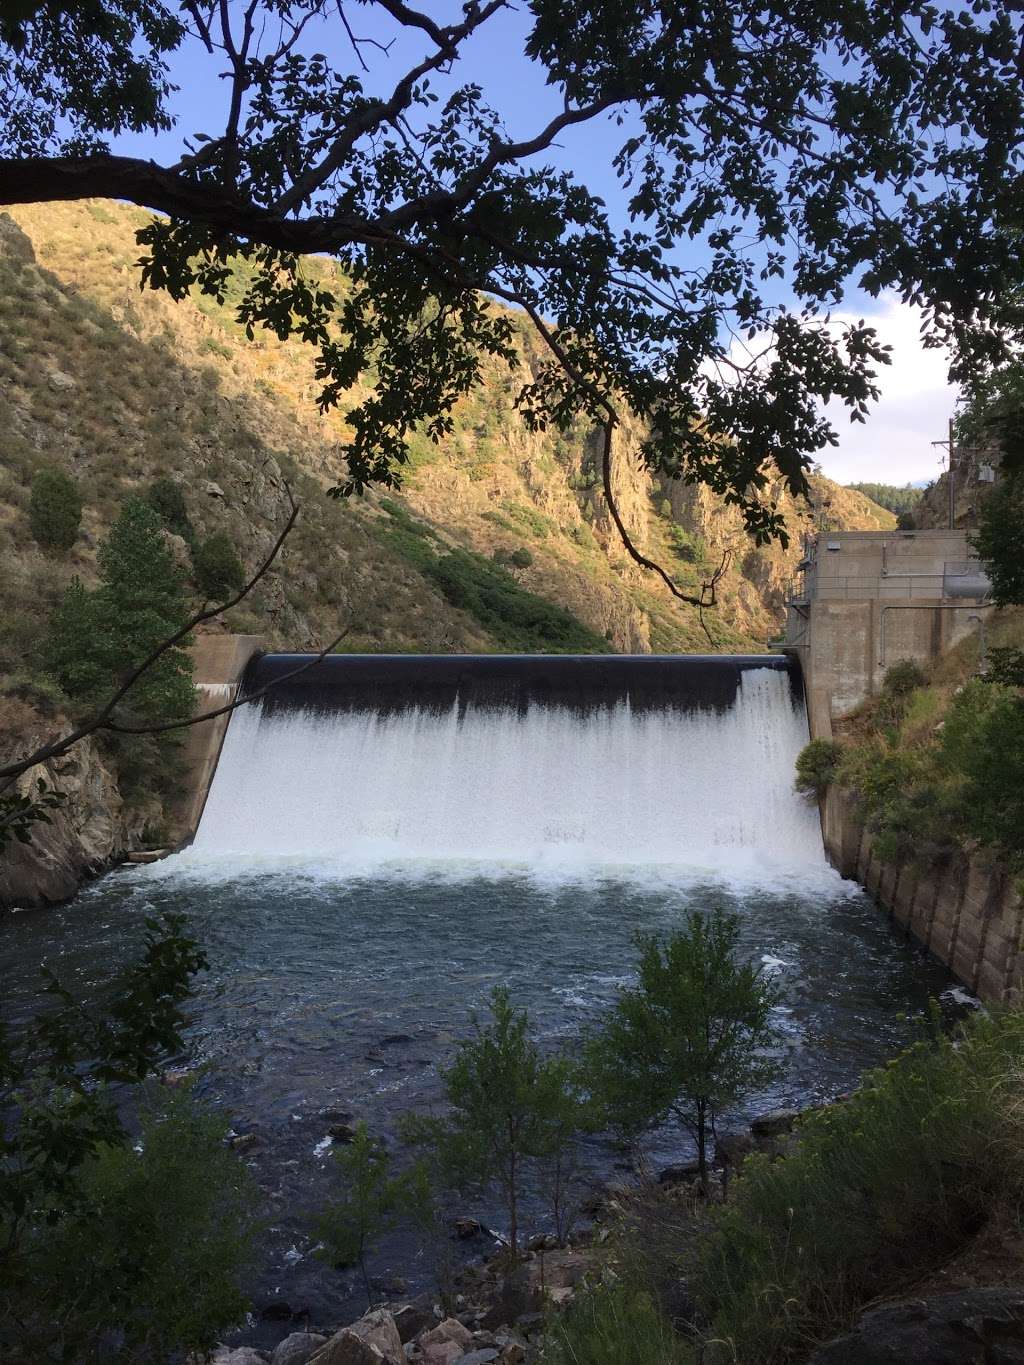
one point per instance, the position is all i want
(882, 1188)
(96, 637)
(1000, 540)
(158, 1246)
(55, 509)
(368, 1206)
(218, 569)
(421, 194)
(58, 1168)
(20, 811)
(690, 1037)
(166, 497)
(510, 1109)
(816, 766)
(983, 744)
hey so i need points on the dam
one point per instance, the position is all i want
(387, 838)
(540, 762)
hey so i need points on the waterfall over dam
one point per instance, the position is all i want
(560, 762)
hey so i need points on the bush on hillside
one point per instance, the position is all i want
(882, 1189)
(912, 806)
(218, 569)
(902, 678)
(613, 1324)
(55, 509)
(168, 501)
(983, 747)
(816, 767)
(516, 619)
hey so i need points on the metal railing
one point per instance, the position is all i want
(963, 579)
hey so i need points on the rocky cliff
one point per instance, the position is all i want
(119, 387)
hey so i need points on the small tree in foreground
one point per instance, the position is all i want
(369, 1206)
(689, 1038)
(98, 1240)
(512, 1111)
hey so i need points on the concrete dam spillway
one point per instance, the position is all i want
(549, 762)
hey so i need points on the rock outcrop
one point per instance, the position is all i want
(975, 1327)
(89, 829)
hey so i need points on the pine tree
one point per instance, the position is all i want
(98, 637)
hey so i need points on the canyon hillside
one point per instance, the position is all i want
(497, 540)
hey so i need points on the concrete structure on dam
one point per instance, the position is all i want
(219, 662)
(863, 600)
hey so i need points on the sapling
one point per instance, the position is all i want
(690, 1037)
(369, 1205)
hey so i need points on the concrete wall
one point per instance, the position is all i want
(219, 662)
(868, 599)
(848, 646)
(967, 912)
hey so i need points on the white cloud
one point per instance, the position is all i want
(894, 444)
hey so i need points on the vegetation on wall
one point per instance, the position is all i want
(936, 761)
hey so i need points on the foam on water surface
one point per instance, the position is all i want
(548, 791)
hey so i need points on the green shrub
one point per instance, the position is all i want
(613, 1324)
(688, 546)
(902, 678)
(983, 746)
(55, 509)
(218, 570)
(520, 558)
(882, 1189)
(157, 1249)
(912, 806)
(816, 767)
(167, 499)
(368, 1206)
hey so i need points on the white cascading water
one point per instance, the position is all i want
(549, 789)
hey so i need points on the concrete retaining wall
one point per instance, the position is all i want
(220, 661)
(967, 912)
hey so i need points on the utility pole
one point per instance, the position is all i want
(952, 503)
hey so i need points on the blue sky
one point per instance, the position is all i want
(895, 444)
